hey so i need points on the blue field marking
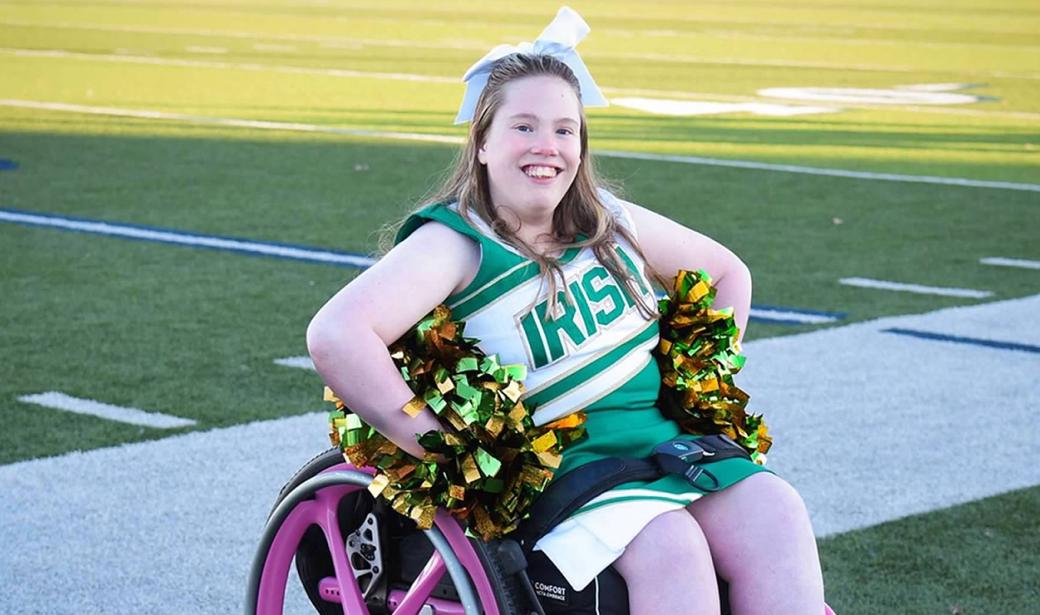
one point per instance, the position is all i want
(194, 240)
(778, 315)
(759, 313)
(957, 339)
(8, 165)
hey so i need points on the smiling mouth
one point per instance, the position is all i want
(540, 171)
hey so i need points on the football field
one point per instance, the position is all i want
(183, 184)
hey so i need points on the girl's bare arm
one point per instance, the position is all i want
(348, 337)
(670, 246)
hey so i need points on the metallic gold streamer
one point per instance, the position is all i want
(414, 406)
(698, 355)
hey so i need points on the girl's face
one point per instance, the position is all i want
(532, 149)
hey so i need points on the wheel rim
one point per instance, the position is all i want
(315, 502)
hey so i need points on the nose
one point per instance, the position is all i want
(545, 145)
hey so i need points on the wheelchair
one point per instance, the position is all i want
(356, 556)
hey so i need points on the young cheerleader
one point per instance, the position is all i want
(552, 271)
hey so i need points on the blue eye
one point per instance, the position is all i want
(565, 131)
(523, 128)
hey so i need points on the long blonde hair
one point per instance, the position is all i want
(581, 211)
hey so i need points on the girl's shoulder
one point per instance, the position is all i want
(445, 215)
(496, 254)
(434, 243)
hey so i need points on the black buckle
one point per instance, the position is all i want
(683, 457)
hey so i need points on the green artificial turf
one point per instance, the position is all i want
(192, 333)
(978, 558)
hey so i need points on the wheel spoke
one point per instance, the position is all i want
(423, 586)
(349, 591)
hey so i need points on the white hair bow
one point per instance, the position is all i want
(557, 40)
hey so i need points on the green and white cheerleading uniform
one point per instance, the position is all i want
(595, 356)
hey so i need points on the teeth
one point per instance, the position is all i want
(539, 171)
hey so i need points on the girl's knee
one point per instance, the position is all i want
(762, 510)
(760, 496)
(672, 543)
(779, 512)
(668, 568)
(777, 495)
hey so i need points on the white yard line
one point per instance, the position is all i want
(225, 121)
(785, 316)
(298, 362)
(916, 288)
(67, 403)
(697, 160)
(791, 168)
(187, 239)
(1010, 262)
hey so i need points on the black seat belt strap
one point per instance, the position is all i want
(568, 493)
(576, 488)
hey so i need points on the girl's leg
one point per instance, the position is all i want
(668, 568)
(763, 545)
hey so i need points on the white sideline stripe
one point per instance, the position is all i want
(61, 401)
(224, 121)
(118, 230)
(301, 70)
(300, 362)
(916, 288)
(782, 315)
(790, 168)
(1010, 262)
(411, 136)
(336, 72)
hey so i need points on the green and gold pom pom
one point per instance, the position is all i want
(698, 356)
(490, 462)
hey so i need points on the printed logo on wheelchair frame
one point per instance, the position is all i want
(553, 592)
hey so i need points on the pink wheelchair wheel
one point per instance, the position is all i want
(315, 503)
